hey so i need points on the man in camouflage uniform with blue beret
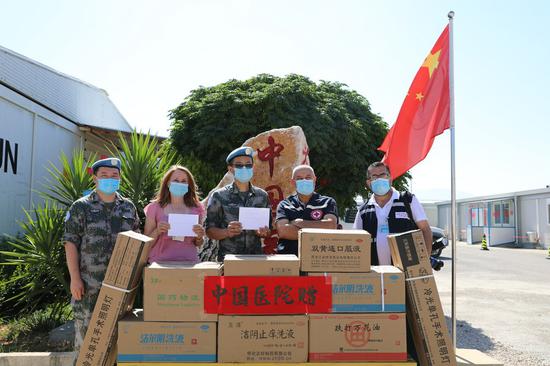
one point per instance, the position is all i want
(222, 214)
(91, 228)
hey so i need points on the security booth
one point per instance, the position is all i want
(494, 219)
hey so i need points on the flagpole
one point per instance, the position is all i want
(453, 180)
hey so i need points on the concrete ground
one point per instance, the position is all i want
(503, 302)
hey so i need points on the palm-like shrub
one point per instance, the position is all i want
(34, 272)
(41, 275)
(69, 183)
(144, 162)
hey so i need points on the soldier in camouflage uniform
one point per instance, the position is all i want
(222, 214)
(91, 227)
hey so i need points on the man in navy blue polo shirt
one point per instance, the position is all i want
(305, 209)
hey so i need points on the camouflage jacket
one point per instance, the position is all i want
(93, 228)
(223, 207)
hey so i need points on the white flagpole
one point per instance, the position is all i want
(453, 182)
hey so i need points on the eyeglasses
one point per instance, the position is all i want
(240, 166)
(376, 176)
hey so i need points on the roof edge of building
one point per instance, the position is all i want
(51, 69)
(497, 196)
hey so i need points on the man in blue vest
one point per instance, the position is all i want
(389, 212)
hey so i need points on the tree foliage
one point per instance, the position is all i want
(341, 130)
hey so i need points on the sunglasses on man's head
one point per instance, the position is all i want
(240, 166)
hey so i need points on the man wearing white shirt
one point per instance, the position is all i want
(389, 212)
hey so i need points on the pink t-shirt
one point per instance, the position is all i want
(167, 249)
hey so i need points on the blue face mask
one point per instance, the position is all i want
(108, 185)
(305, 187)
(243, 175)
(380, 186)
(178, 189)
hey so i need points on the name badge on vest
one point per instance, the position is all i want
(401, 215)
(384, 229)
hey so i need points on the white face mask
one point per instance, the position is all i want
(380, 186)
(305, 186)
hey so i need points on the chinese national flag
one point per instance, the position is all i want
(424, 113)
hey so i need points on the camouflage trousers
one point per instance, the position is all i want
(83, 311)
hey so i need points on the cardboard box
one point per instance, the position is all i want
(270, 338)
(400, 363)
(261, 265)
(99, 344)
(140, 341)
(323, 250)
(174, 291)
(357, 337)
(362, 292)
(424, 311)
(127, 260)
(115, 298)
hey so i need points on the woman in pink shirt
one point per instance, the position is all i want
(177, 195)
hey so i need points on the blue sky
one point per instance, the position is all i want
(148, 55)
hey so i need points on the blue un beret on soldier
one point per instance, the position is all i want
(241, 151)
(107, 163)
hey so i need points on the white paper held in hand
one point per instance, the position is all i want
(254, 218)
(182, 224)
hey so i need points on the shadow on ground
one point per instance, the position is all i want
(470, 337)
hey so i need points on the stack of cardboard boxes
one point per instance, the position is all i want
(367, 320)
(115, 298)
(364, 321)
(424, 311)
(262, 337)
(173, 326)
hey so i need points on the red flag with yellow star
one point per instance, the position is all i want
(425, 113)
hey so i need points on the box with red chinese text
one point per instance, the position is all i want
(115, 299)
(357, 337)
(140, 341)
(381, 290)
(263, 338)
(261, 265)
(174, 291)
(252, 295)
(424, 311)
(324, 250)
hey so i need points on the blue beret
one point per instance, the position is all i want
(107, 163)
(241, 151)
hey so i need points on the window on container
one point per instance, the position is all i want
(505, 213)
(497, 213)
(482, 214)
(474, 217)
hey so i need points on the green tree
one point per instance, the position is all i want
(341, 130)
